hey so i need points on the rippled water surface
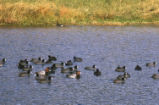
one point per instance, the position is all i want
(107, 47)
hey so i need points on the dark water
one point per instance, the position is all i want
(106, 47)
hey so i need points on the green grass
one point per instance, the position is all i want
(78, 12)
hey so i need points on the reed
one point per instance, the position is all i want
(78, 12)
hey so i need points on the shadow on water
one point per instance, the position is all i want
(107, 47)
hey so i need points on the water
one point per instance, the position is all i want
(107, 47)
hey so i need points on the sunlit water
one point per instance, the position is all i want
(107, 47)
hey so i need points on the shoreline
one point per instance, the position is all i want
(97, 24)
(23, 13)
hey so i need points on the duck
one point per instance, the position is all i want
(40, 62)
(59, 65)
(75, 67)
(48, 61)
(152, 64)
(43, 72)
(119, 81)
(97, 72)
(43, 79)
(155, 76)
(53, 67)
(69, 63)
(59, 25)
(120, 69)
(23, 63)
(24, 73)
(34, 60)
(2, 62)
(26, 68)
(75, 75)
(138, 68)
(90, 68)
(77, 59)
(52, 58)
(67, 70)
(125, 75)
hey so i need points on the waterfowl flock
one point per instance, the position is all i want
(69, 69)
(45, 76)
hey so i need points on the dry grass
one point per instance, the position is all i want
(85, 12)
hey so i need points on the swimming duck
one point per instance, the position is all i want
(22, 64)
(2, 62)
(53, 67)
(59, 65)
(27, 68)
(41, 62)
(34, 60)
(120, 69)
(75, 67)
(24, 73)
(90, 68)
(152, 64)
(138, 68)
(67, 70)
(97, 72)
(155, 76)
(69, 63)
(77, 59)
(52, 58)
(43, 79)
(48, 61)
(43, 72)
(125, 75)
(74, 75)
(59, 25)
(119, 81)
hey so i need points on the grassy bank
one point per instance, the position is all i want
(78, 12)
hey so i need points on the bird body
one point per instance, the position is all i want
(2, 62)
(120, 69)
(93, 68)
(77, 59)
(138, 68)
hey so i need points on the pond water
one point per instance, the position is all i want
(105, 46)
